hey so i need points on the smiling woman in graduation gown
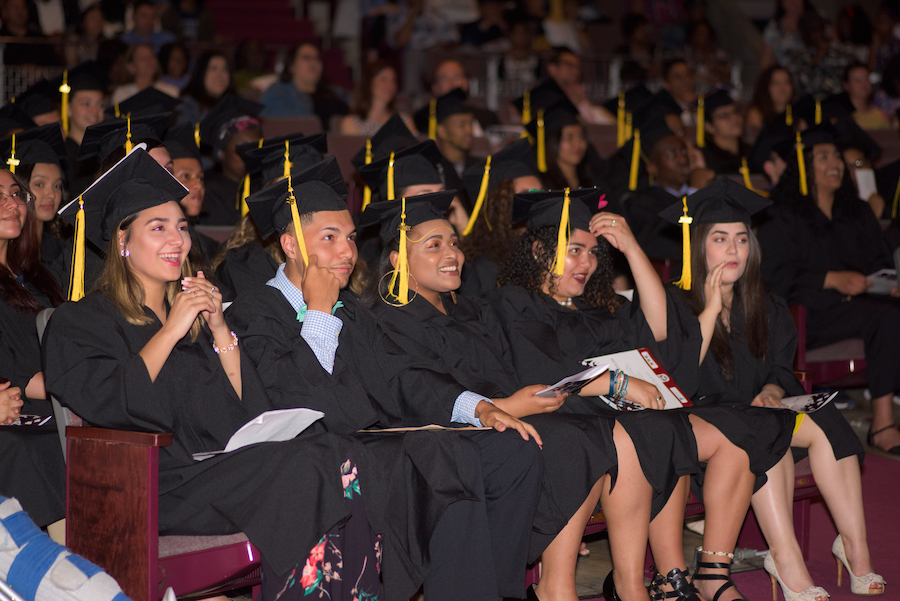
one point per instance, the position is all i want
(285, 496)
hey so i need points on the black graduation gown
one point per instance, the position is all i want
(31, 462)
(81, 173)
(722, 161)
(800, 245)
(549, 342)
(203, 250)
(659, 238)
(245, 268)
(428, 472)
(220, 207)
(469, 344)
(56, 255)
(283, 495)
(479, 277)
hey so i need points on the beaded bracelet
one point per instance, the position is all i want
(230, 347)
(613, 374)
(716, 553)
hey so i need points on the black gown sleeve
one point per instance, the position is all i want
(782, 347)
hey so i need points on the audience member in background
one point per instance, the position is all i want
(175, 63)
(773, 92)
(818, 66)
(565, 69)
(710, 62)
(854, 31)
(301, 89)
(374, 102)
(566, 30)
(16, 23)
(144, 69)
(667, 19)
(520, 64)
(855, 158)
(724, 127)
(453, 128)
(887, 98)
(638, 51)
(449, 75)
(87, 101)
(144, 32)
(250, 60)
(884, 43)
(858, 87)
(210, 80)
(678, 82)
(569, 164)
(490, 27)
(782, 34)
(189, 20)
(83, 42)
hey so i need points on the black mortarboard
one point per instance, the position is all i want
(229, 109)
(776, 137)
(135, 183)
(42, 144)
(451, 103)
(516, 160)
(319, 188)
(716, 100)
(652, 132)
(13, 118)
(268, 161)
(635, 99)
(539, 209)
(824, 133)
(86, 76)
(414, 166)
(722, 201)
(181, 142)
(393, 136)
(39, 99)
(149, 101)
(556, 117)
(419, 209)
(841, 101)
(543, 96)
(102, 139)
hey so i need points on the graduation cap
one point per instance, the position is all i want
(228, 110)
(812, 110)
(714, 101)
(400, 216)
(319, 188)
(624, 106)
(102, 139)
(548, 121)
(181, 142)
(439, 109)
(516, 160)
(565, 209)
(543, 96)
(722, 201)
(777, 137)
(134, 184)
(39, 99)
(12, 118)
(414, 166)
(268, 160)
(86, 76)
(146, 102)
(393, 136)
(42, 144)
(642, 143)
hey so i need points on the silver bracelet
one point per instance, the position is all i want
(716, 553)
(230, 347)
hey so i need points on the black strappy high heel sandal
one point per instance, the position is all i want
(726, 578)
(682, 588)
(609, 588)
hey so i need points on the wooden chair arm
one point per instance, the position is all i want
(140, 439)
(804, 375)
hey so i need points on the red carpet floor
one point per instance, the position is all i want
(881, 492)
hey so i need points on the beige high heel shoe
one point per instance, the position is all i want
(859, 585)
(809, 594)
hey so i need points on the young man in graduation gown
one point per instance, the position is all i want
(449, 122)
(723, 128)
(308, 334)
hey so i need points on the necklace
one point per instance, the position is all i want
(566, 303)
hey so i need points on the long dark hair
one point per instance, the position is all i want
(748, 305)
(492, 241)
(196, 87)
(56, 227)
(761, 97)
(787, 191)
(554, 178)
(23, 257)
(528, 264)
(362, 97)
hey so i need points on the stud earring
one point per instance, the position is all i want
(125, 253)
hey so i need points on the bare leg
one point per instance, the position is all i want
(727, 487)
(666, 531)
(882, 417)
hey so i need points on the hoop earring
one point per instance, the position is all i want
(125, 253)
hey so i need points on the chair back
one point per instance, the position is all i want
(63, 416)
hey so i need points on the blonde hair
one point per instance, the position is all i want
(245, 231)
(124, 289)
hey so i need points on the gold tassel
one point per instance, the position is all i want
(896, 204)
(295, 217)
(197, 134)
(402, 271)
(745, 171)
(287, 159)
(541, 143)
(390, 178)
(432, 119)
(620, 121)
(701, 120)
(128, 144)
(818, 112)
(482, 194)
(628, 125)
(788, 116)
(562, 239)
(116, 109)
(685, 282)
(526, 112)
(76, 279)
(65, 88)
(635, 161)
(12, 161)
(367, 191)
(801, 166)
(242, 203)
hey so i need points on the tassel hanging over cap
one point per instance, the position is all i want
(287, 159)
(701, 121)
(295, 218)
(432, 119)
(390, 178)
(541, 143)
(402, 271)
(628, 124)
(818, 112)
(788, 116)
(197, 134)
(76, 279)
(620, 121)
(367, 191)
(562, 238)
(65, 88)
(12, 161)
(635, 161)
(685, 282)
(128, 144)
(482, 194)
(801, 166)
